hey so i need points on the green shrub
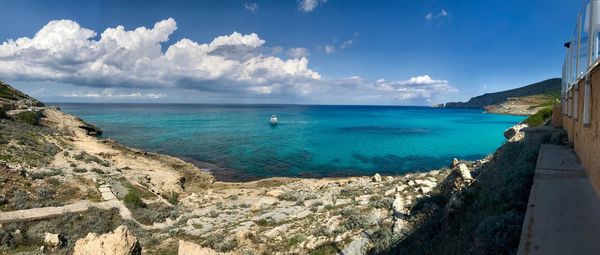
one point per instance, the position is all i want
(539, 118)
(173, 198)
(133, 199)
(29, 117)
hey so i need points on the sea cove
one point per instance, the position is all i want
(310, 141)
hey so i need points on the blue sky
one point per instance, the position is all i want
(357, 52)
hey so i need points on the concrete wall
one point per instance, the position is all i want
(586, 140)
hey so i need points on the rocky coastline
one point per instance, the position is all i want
(136, 202)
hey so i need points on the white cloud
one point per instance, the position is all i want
(346, 44)
(252, 7)
(111, 94)
(309, 5)
(329, 49)
(441, 14)
(230, 67)
(63, 51)
(298, 52)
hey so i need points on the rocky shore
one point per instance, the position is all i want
(131, 202)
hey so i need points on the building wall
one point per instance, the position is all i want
(586, 140)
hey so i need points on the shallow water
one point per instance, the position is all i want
(309, 141)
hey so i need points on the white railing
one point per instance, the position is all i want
(581, 58)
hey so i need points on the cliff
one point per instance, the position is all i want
(547, 87)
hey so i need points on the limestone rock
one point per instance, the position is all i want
(426, 183)
(119, 242)
(454, 163)
(399, 226)
(53, 240)
(389, 179)
(187, 248)
(377, 178)
(464, 172)
(398, 206)
(514, 133)
(275, 193)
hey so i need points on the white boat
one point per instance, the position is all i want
(273, 120)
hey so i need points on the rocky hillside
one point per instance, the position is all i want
(63, 190)
(11, 99)
(544, 90)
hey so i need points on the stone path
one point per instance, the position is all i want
(81, 206)
(563, 213)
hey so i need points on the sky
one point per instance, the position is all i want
(378, 52)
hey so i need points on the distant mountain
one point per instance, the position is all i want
(547, 87)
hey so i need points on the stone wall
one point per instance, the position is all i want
(586, 140)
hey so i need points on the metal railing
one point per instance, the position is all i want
(581, 56)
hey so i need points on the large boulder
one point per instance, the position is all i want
(119, 242)
(514, 133)
(53, 241)
(376, 178)
(465, 174)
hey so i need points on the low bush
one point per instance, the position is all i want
(29, 117)
(539, 118)
(133, 199)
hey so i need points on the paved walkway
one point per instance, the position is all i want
(563, 213)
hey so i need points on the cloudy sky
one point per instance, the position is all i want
(401, 52)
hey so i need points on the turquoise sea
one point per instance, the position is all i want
(237, 142)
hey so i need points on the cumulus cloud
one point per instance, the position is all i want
(418, 90)
(298, 52)
(309, 5)
(63, 51)
(431, 16)
(252, 7)
(229, 66)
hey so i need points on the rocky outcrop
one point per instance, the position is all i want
(514, 133)
(53, 241)
(187, 248)
(119, 242)
(12, 99)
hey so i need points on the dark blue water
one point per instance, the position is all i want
(310, 141)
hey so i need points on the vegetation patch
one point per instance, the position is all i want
(71, 226)
(539, 118)
(29, 117)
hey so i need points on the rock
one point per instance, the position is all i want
(389, 179)
(377, 178)
(53, 240)
(358, 246)
(256, 207)
(390, 192)
(514, 133)
(399, 227)
(454, 163)
(398, 206)
(464, 172)
(119, 242)
(425, 183)
(411, 183)
(275, 193)
(364, 199)
(425, 189)
(343, 201)
(188, 248)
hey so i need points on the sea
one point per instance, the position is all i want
(238, 143)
